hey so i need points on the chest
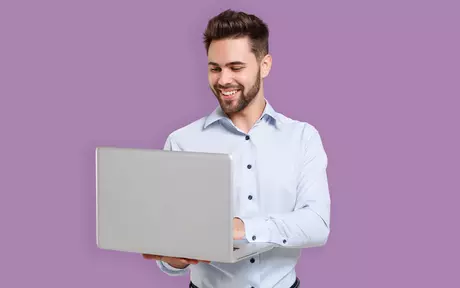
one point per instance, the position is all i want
(266, 174)
(265, 170)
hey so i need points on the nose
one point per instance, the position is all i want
(225, 78)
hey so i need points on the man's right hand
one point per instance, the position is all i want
(178, 263)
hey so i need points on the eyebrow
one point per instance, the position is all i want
(228, 64)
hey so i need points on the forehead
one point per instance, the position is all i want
(230, 50)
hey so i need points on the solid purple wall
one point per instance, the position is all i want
(379, 81)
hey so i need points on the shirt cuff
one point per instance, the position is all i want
(262, 229)
(256, 229)
(168, 269)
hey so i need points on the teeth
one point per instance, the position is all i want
(229, 93)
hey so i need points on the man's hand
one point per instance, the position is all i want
(238, 229)
(179, 263)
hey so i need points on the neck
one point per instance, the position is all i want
(246, 118)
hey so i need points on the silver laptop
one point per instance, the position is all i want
(168, 203)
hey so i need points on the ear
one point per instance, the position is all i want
(265, 65)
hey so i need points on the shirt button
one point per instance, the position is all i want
(249, 166)
(250, 197)
(247, 137)
(254, 237)
(252, 260)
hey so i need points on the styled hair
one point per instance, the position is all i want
(233, 24)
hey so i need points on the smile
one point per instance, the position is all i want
(228, 94)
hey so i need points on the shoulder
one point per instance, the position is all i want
(305, 138)
(302, 130)
(189, 131)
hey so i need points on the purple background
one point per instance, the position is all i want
(379, 79)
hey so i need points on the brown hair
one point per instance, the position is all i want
(233, 24)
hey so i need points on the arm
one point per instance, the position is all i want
(308, 225)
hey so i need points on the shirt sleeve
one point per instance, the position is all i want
(171, 145)
(308, 225)
(171, 271)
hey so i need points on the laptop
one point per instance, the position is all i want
(169, 203)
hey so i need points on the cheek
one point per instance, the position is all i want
(244, 81)
(212, 78)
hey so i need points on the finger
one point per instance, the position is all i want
(151, 257)
(172, 259)
(184, 261)
(190, 261)
(195, 261)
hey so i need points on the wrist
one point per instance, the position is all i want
(176, 264)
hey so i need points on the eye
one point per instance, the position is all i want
(215, 69)
(237, 68)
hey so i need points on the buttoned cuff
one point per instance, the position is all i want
(256, 229)
(262, 229)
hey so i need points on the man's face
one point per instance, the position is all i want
(233, 73)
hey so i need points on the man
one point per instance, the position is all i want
(282, 188)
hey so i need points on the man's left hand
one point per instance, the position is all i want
(238, 229)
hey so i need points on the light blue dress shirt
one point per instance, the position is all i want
(282, 194)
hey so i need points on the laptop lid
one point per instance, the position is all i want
(164, 202)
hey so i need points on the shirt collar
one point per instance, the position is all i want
(218, 115)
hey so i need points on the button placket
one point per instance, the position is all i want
(249, 165)
(248, 174)
(250, 196)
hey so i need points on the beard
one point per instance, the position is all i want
(244, 99)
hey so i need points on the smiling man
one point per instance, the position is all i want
(282, 186)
